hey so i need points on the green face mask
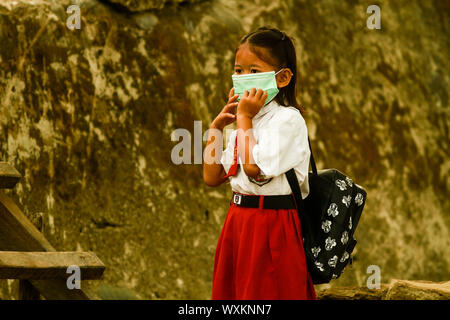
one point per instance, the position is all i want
(262, 80)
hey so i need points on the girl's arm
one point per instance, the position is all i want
(213, 171)
(250, 104)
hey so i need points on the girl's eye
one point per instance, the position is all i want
(237, 71)
(254, 71)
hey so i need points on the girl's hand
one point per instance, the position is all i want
(251, 103)
(228, 113)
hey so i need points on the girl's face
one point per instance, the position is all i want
(248, 62)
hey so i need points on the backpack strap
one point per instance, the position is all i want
(295, 187)
(293, 181)
(311, 160)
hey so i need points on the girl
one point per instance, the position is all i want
(260, 252)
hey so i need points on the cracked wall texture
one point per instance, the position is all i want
(86, 117)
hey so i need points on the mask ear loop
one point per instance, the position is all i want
(279, 71)
(282, 70)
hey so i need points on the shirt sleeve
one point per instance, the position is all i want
(283, 145)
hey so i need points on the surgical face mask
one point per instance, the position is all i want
(261, 80)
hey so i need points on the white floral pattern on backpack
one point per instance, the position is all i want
(319, 265)
(332, 262)
(349, 181)
(359, 199)
(346, 200)
(326, 226)
(315, 251)
(345, 256)
(341, 184)
(344, 238)
(329, 243)
(333, 210)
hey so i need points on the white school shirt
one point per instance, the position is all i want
(281, 144)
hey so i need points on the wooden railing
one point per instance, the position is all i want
(25, 253)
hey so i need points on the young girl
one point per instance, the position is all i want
(260, 252)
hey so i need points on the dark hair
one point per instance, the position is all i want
(282, 53)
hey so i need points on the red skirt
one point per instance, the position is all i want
(260, 256)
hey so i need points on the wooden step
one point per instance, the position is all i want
(9, 176)
(17, 233)
(49, 265)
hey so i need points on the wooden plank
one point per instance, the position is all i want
(9, 176)
(17, 233)
(49, 265)
(26, 290)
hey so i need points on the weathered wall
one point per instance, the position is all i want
(86, 117)
(144, 5)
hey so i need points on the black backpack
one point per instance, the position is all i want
(328, 216)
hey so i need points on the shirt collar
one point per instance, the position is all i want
(269, 107)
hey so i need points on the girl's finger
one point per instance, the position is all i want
(230, 116)
(264, 96)
(259, 94)
(231, 93)
(233, 98)
(245, 95)
(252, 92)
(230, 106)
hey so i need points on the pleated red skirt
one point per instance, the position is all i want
(260, 256)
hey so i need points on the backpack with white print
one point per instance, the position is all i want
(328, 217)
